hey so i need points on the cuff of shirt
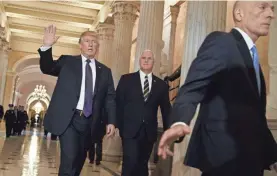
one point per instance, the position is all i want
(45, 48)
(178, 123)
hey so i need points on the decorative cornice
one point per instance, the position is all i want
(102, 14)
(38, 41)
(125, 11)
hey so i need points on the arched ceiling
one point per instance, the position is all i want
(26, 20)
(30, 75)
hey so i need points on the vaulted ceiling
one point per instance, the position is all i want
(26, 20)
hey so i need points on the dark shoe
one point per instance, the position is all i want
(98, 163)
(91, 162)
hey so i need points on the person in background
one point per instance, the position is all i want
(1, 112)
(9, 118)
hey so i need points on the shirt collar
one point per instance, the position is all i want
(247, 39)
(142, 74)
(84, 59)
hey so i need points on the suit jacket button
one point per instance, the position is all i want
(73, 109)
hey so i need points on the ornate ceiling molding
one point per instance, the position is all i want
(103, 14)
(78, 3)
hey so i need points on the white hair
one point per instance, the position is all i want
(148, 50)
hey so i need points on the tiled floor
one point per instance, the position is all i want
(32, 155)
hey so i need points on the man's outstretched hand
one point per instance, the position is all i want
(50, 37)
(169, 136)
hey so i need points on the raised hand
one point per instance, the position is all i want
(50, 37)
(169, 136)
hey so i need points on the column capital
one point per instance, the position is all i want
(5, 46)
(2, 33)
(105, 31)
(126, 11)
(172, 11)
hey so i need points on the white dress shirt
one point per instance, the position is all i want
(81, 101)
(249, 43)
(142, 79)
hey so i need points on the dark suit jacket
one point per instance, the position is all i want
(65, 97)
(100, 130)
(1, 111)
(231, 122)
(132, 111)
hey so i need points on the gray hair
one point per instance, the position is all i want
(148, 50)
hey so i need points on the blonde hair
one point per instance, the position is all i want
(86, 33)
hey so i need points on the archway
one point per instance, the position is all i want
(36, 109)
(27, 76)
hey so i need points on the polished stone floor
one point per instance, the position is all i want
(32, 155)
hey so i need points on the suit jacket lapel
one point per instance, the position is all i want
(79, 73)
(263, 88)
(244, 50)
(98, 75)
(138, 85)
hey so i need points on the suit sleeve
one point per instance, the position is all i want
(48, 65)
(211, 60)
(165, 107)
(120, 102)
(5, 116)
(110, 100)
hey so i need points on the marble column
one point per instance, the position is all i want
(169, 30)
(150, 30)
(18, 95)
(9, 88)
(111, 147)
(272, 61)
(203, 17)
(106, 35)
(124, 14)
(4, 48)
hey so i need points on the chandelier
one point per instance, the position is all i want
(39, 92)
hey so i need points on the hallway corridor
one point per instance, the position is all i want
(32, 155)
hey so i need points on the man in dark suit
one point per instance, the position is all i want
(9, 118)
(1, 112)
(84, 87)
(230, 136)
(138, 97)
